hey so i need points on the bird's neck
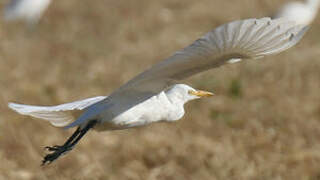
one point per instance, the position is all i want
(176, 111)
(176, 101)
(175, 98)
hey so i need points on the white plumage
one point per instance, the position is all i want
(301, 12)
(28, 10)
(154, 96)
(57, 115)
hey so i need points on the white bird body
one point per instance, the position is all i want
(153, 95)
(28, 10)
(161, 107)
(302, 13)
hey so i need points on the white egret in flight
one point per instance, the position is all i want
(28, 10)
(155, 95)
(301, 12)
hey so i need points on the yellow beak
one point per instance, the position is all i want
(200, 93)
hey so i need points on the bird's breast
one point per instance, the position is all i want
(155, 109)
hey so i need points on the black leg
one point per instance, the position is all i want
(83, 132)
(57, 151)
(56, 147)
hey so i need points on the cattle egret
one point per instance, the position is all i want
(28, 10)
(301, 13)
(153, 95)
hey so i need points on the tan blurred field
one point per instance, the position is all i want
(263, 123)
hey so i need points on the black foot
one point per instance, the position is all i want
(57, 151)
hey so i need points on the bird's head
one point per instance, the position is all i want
(185, 93)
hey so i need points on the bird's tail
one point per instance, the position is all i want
(59, 115)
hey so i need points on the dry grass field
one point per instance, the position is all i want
(263, 123)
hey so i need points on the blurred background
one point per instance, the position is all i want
(263, 123)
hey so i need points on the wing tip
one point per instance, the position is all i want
(301, 32)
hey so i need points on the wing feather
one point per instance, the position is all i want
(232, 42)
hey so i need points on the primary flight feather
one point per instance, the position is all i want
(154, 95)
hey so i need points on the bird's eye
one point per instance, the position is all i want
(191, 92)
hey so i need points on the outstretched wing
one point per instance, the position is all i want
(59, 115)
(232, 42)
(229, 43)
